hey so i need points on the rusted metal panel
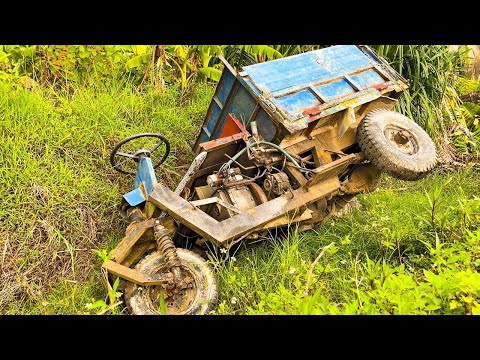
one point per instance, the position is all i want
(297, 175)
(297, 90)
(133, 275)
(218, 143)
(266, 127)
(334, 106)
(133, 233)
(363, 178)
(287, 220)
(203, 192)
(235, 226)
(137, 252)
(331, 169)
(234, 132)
(232, 126)
(314, 83)
(347, 120)
(217, 105)
(189, 176)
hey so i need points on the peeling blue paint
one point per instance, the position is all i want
(145, 178)
(288, 88)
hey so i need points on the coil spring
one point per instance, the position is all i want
(166, 247)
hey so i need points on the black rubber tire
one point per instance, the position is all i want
(382, 152)
(137, 299)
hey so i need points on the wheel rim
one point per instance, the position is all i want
(177, 301)
(401, 139)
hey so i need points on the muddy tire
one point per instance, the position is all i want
(396, 144)
(199, 300)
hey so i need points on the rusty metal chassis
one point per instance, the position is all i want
(325, 139)
(138, 240)
(285, 209)
(334, 134)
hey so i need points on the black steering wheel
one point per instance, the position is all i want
(140, 153)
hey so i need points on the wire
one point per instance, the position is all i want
(237, 155)
(284, 162)
(258, 177)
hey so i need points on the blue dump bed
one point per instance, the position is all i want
(285, 95)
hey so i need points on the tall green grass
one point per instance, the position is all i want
(392, 229)
(432, 99)
(59, 194)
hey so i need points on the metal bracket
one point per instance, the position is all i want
(223, 232)
(217, 200)
(348, 119)
(136, 276)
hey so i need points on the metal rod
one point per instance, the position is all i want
(243, 167)
(236, 156)
(194, 166)
(253, 126)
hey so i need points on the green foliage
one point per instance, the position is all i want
(103, 254)
(383, 262)
(432, 72)
(114, 301)
(467, 86)
(450, 285)
(243, 55)
(69, 66)
(262, 52)
(466, 136)
(211, 73)
(59, 193)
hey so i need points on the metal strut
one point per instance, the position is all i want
(167, 248)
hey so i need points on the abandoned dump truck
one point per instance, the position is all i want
(287, 141)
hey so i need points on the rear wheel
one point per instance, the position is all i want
(396, 144)
(197, 300)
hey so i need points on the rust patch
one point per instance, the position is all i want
(232, 126)
(312, 111)
(380, 87)
(213, 144)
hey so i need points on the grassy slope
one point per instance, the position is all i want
(59, 198)
(272, 278)
(58, 191)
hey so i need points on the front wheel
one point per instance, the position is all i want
(197, 300)
(396, 145)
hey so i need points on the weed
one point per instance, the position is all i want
(59, 194)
